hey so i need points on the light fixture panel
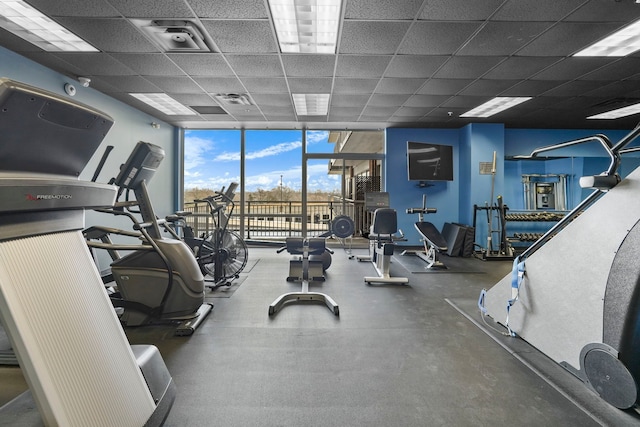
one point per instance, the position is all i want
(620, 43)
(311, 104)
(30, 24)
(164, 103)
(306, 26)
(495, 105)
(629, 110)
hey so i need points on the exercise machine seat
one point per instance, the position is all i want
(314, 245)
(384, 224)
(431, 233)
(305, 270)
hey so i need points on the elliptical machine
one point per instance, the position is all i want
(159, 281)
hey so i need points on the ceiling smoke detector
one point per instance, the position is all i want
(174, 36)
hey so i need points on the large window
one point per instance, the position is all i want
(286, 187)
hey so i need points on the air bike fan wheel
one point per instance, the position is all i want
(231, 257)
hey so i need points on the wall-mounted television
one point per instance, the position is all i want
(429, 162)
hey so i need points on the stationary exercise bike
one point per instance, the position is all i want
(382, 235)
(222, 254)
(159, 281)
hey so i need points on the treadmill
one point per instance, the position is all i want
(68, 341)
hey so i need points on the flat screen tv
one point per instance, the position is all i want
(429, 162)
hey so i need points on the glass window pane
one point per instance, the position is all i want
(211, 161)
(273, 182)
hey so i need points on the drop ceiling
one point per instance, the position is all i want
(399, 63)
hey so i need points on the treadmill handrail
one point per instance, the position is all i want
(614, 151)
(602, 139)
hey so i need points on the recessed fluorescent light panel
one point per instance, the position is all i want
(620, 43)
(164, 103)
(617, 113)
(31, 25)
(311, 104)
(306, 26)
(495, 106)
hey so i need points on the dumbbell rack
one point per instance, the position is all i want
(526, 238)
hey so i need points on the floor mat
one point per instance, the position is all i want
(250, 264)
(225, 291)
(551, 372)
(416, 265)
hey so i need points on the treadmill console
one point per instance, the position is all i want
(45, 133)
(46, 140)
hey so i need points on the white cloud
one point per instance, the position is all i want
(317, 136)
(274, 150)
(290, 178)
(228, 157)
(194, 153)
(213, 183)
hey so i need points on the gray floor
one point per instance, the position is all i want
(413, 355)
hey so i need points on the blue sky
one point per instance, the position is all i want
(212, 159)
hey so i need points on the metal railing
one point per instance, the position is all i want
(279, 219)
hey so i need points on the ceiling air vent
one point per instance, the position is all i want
(174, 36)
(208, 109)
(233, 99)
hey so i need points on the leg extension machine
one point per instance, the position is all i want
(304, 270)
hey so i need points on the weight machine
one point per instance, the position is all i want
(305, 270)
(504, 249)
(434, 242)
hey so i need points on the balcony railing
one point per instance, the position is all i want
(279, 219)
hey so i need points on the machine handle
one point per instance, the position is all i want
(282, 249)
(421, 210)
(144, 225)
(102, 161)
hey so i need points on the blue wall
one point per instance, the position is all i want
(475, 143)
(405, 194)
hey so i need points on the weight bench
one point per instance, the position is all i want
(433, 240)
(381, 237)
(305, 270)
(434, 243)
